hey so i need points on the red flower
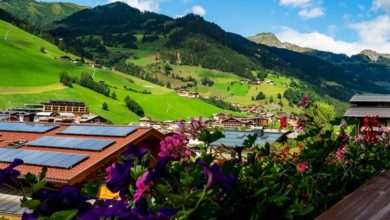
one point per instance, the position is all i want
(283, 122)
(302, 167)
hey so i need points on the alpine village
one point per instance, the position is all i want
(179, 109)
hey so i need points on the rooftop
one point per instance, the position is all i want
(370, 98)
(96, 158)
(361, 112)
(235, 139)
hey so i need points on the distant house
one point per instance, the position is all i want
(255, 82)
(69, 106)
(65, 58)
(370, 105)
(233, 123)
(92, 119)
(145, 122)
(187, 93)
(221, 116)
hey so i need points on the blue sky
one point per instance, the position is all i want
(342, 26)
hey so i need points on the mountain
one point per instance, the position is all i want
(39, 14)
(375, 56)
(271, 40)
(116, 34)
(32, 67)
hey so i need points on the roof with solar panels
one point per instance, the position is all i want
(72, 153)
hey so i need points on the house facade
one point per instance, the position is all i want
(370, 105)
(68, 106)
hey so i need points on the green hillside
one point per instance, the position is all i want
(37, 13)
(32, 76)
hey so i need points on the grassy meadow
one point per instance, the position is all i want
(31, 76)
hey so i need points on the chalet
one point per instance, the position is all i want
(255, 82)
(92, 119)
(49, 138)
(235, 123)
(68, 106)
(221, 116)
(370, 105)
(187, 93)
(145, 122)
(66, 152)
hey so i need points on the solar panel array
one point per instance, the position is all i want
(26, 127)
(42, 158)
(109, 131)
(89, 144)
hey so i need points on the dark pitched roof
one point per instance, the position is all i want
(360, 112)
(370, 98)
(370, 201)
(235, 139)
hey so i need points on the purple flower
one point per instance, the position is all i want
(30, 216)
(104, 209)
(149, 177)
(175, 147)
(283, 178)
(9, 174)
(142, 185)
(136, 152)
(119, 178)
(214, 175)
(67, 198)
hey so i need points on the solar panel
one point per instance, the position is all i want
(42, 158)
(109, 131)
(89, 144)
(27, 127)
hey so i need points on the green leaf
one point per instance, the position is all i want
(31, 204)
(186, 179)
(64, 215)
(30, 178)
(39, 185)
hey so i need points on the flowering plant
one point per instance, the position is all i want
(300, 180)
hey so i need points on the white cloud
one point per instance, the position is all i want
(375, 31)
(384, 4)
(310, 13)
(324, 42)
(198, 10)
(142, 5)
(309, 9)
(294, 3)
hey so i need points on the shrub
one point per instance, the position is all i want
(132, 105)
(260, 96)
(105, 106)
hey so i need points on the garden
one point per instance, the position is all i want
(299, 180)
